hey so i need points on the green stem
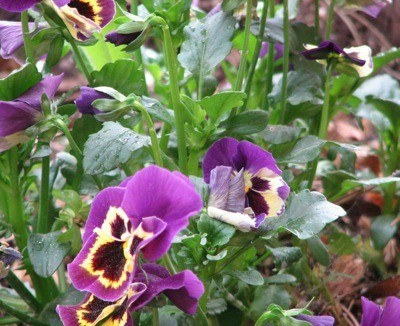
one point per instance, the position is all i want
(316, 18)
(127, 169)
(153, 135)
(166, 129)
(169, 264)
(286, 28)
(193, 165)
(62, 282)
(389, 195)
(156, 320)
(81, 62)
(270, 60)
(9, 321)
(174, 88)
(23, 292)
(256, 53)
(27, 41)
(329, 23)
(42, 220)
(243, 59)
(20, 315)
(63, 127)
(323, 126)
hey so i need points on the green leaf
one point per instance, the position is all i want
(216, 306)
(285, 256)
(280, 134)
(382, 230)
(341, 244)
(219, 256)
(384, 58)
(251, 277)
(83, 128)
(389, 108)
(18, 82)
(332, 182)
(266, 295)
(72, 237)
(319, 250)
(217, 104)
(280, 279)
(111, 146)
(218, 233)
(305, 150)
(157, 110)
(230, 5)
(207, 43)
(46, 253)
(306, 215)
(123, 75)
(201, 187)
(247, 123)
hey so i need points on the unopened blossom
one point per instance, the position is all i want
(356, 60)
(87, 97)
(375, 315)
(7, 257)
(142, 215)
(245, 183)
(24, 111)
(317, 320)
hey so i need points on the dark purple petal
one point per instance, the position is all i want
(109, 197)
(48, 86)
(9, 255)
(16, 117)
(183, 289)
(120, 39)
(90, 10)
(253, 158)
(154, 191)
(371, 313)
(391, 312)
(220, 153)
(17, 5)
(11, 38)
(317, 320)
(87, 97)
(278, 50)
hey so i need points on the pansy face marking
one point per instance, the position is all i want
(106, 264)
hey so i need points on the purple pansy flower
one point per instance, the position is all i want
(245, 183)
(121, 39)
(317, 320)
(87, 97)
(348, 60)
(183, 289)
(143, 214)
(278, 50)
(375, 315)
(24, 112)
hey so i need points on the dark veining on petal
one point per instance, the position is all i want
(110, 258)
(135, 244)
(118, 227)
(84, 8)
(93, 308)
(260, 184)
(257, 203)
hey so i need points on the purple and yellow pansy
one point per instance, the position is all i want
(245, 183)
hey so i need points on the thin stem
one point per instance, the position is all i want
(193, 164)
(243, 60)
(62, 282)
(323, 127)
(23, 292)
(62, 126)
(329, 23)
(156, 319)
(316, 18)
(153, 135)
(270, 60)
(42, 220)
(165, 130)
(78, 56)
(256, 53)
(27, 41)
(20, 315)
(286, 28)
(169, 264)
(127, 169)
(176, 103)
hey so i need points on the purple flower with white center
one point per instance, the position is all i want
(355, 60)
(87, 97)
(183, 289)
(317, 320)
(143, 214)
(375, 315)
(25, 111)
(245, 183)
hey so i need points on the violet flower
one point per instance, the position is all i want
(25, 111)
(370, 7)
(183, 289)
(348, 60)
(122, 39)
(278, 50)
(317, 320)
(375, 315)
(87, 97)
(245, 182)
(143, 214)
